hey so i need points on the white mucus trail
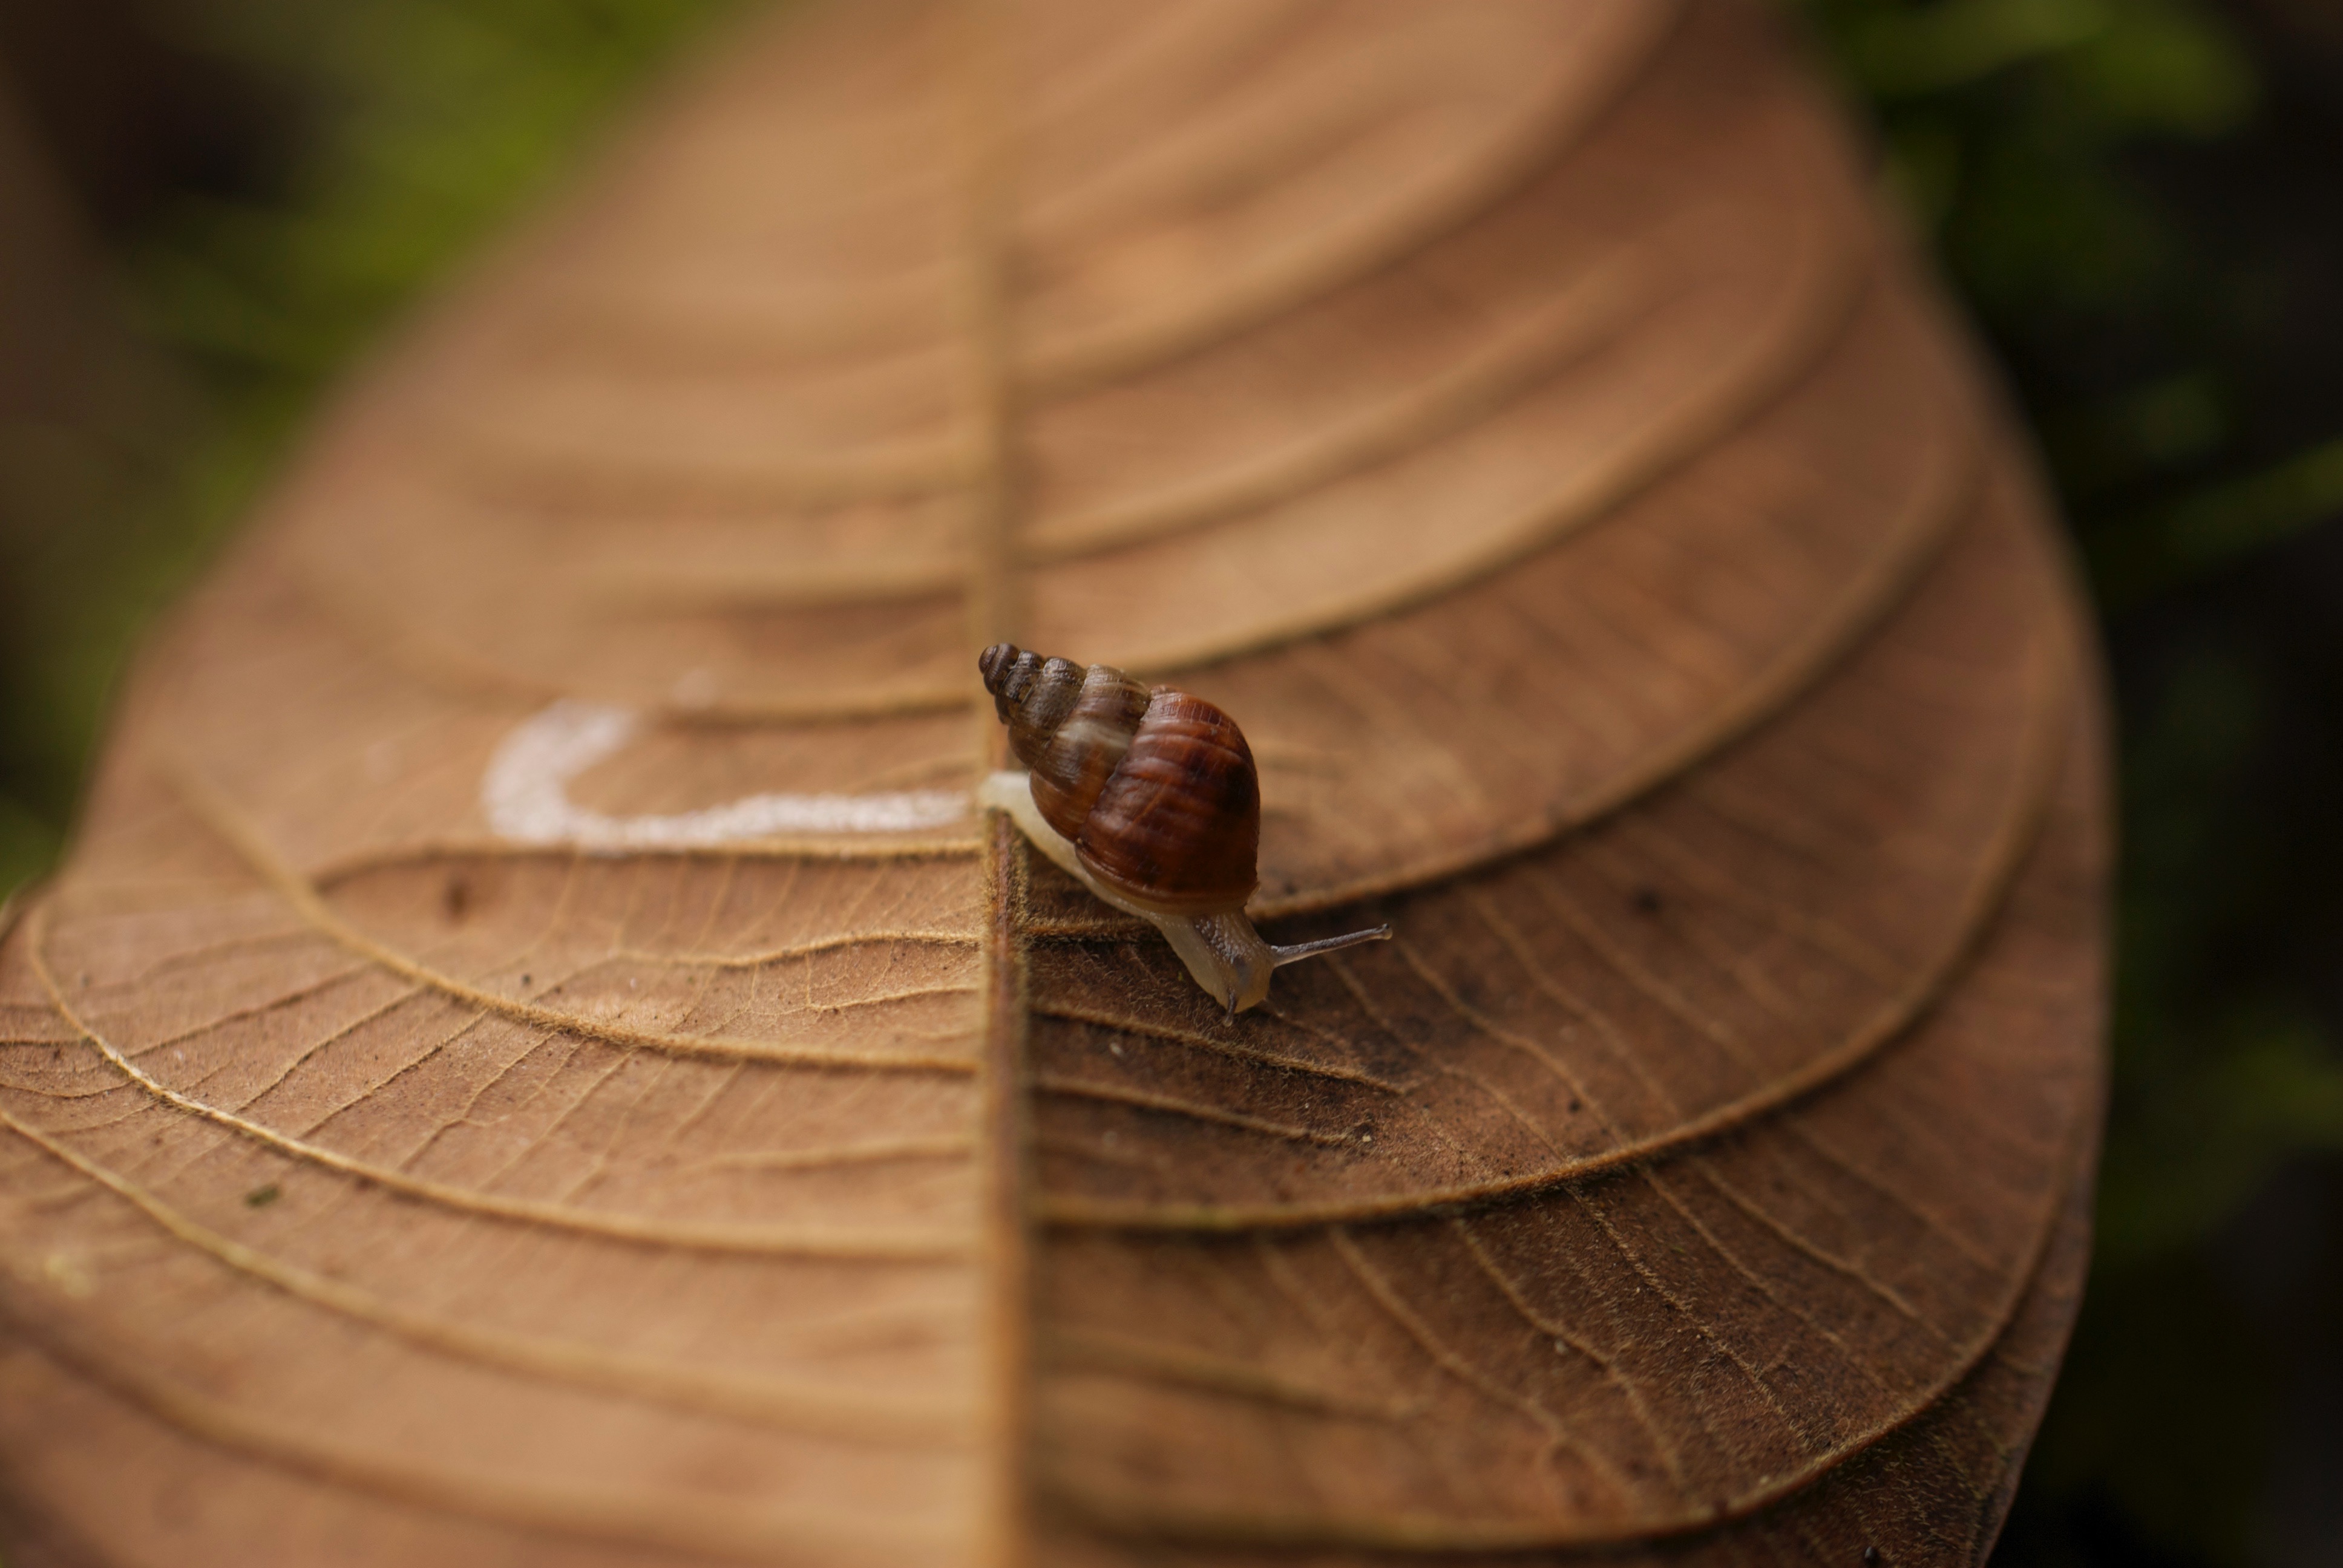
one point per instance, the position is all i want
(524, 795)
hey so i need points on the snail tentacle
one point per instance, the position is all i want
(1281, 956)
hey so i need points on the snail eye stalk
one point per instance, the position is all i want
(1281, 956)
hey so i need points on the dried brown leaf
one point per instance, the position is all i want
(534, 1057)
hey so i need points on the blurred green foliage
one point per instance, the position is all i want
(2137, 199)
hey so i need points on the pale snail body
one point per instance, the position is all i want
(1149, 798)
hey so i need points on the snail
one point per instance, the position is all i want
(1149, 798)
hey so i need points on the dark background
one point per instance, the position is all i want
(208, 207)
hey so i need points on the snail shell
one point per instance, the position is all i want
(1155, 788)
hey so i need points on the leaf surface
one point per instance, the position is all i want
(535, 1058)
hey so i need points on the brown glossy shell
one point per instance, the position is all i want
(1179, 824)
(1157, 792)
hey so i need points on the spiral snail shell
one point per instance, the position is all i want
(1148, 797)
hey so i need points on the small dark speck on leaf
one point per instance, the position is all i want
(524, 979)
(1574, 1105)
(456, 897)
(1646, 900)
(262, 1197)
